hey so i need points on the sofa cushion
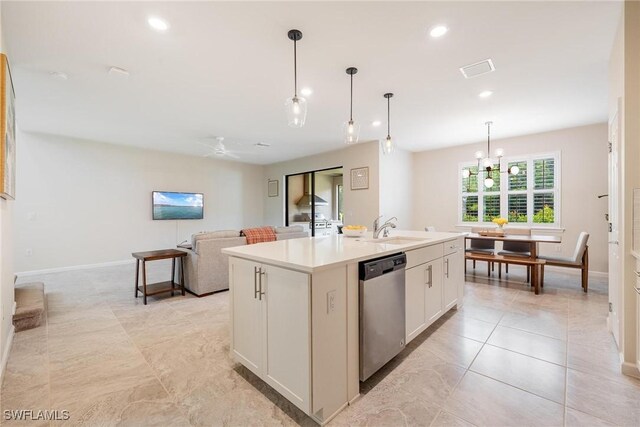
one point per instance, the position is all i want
(290, 229)
(204, 235)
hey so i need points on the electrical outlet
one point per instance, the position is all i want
(331, 301)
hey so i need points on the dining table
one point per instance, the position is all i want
(533, 240)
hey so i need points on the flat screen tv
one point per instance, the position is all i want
(172, 205)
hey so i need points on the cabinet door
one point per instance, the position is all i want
(450, 281)
(415, 284)
(433, 291)
(287, 324)
(247, 335)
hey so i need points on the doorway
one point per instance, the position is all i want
(315, 200)
(615, 265)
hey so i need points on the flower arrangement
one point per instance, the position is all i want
(500, 221)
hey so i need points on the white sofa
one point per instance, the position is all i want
(207, 268)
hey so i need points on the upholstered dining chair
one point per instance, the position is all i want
(519, 249)
(482, 246)
(579, 259)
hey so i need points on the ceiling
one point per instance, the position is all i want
(225, 69)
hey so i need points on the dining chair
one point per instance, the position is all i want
(580, 259)
(430, 228)
(482, 246)
(518, 249)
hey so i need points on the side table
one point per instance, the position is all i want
(160, 287)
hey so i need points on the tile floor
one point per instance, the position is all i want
(507, 357)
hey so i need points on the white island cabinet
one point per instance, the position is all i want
(272, 337)
(294, 308)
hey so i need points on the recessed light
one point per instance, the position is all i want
(485, 94)
(58, 75)
(158, 24)
(438, 31)
(376, 123)
(306, 91)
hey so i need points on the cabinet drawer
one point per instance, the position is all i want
(422, 255)
(453, 246)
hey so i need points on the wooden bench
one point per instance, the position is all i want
(536, 281)
(30, 306)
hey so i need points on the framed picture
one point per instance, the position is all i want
(360, 178)
(272, 188)
(7, 132)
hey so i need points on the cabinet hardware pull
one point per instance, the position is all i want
(637, 273)
(446, 261)
(430, 273)
(255, 282)
(262, 273)
(637, 289)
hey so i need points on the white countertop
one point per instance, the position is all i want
(318, 253)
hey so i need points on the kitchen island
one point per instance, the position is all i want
(295, 308)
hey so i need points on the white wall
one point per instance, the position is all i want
(6, 259)
(583, 177)
(361, 206)
(84, 202)
(396, 188)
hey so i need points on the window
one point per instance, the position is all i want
(529, 197)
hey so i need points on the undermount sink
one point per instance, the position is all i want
(396, 240)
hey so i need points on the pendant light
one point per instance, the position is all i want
(351, 129)
(487, 162)
(296, 106)
(388, 146)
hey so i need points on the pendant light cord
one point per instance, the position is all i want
(351, 103)
(389, 117)
(488, 140)
(295, 69)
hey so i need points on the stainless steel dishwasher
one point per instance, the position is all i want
(382, 312)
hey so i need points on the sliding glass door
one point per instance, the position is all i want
(314, 201)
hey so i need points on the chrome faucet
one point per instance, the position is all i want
(377, 228)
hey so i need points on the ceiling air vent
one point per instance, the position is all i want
(477, 69)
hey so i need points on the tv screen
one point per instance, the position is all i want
(171, 205)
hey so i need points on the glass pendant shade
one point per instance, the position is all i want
(487, 163)
(466, 173)
(488, 182)
(479, 155)
(351, 130)
(499, 152)
(296, 108)
(388, 146)
(514, 170)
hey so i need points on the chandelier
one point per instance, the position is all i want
(488, 163)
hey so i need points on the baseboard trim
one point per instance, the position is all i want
(73, 268)
(630, 369)
(6, 351)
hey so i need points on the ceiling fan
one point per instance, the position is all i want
(219, 149)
